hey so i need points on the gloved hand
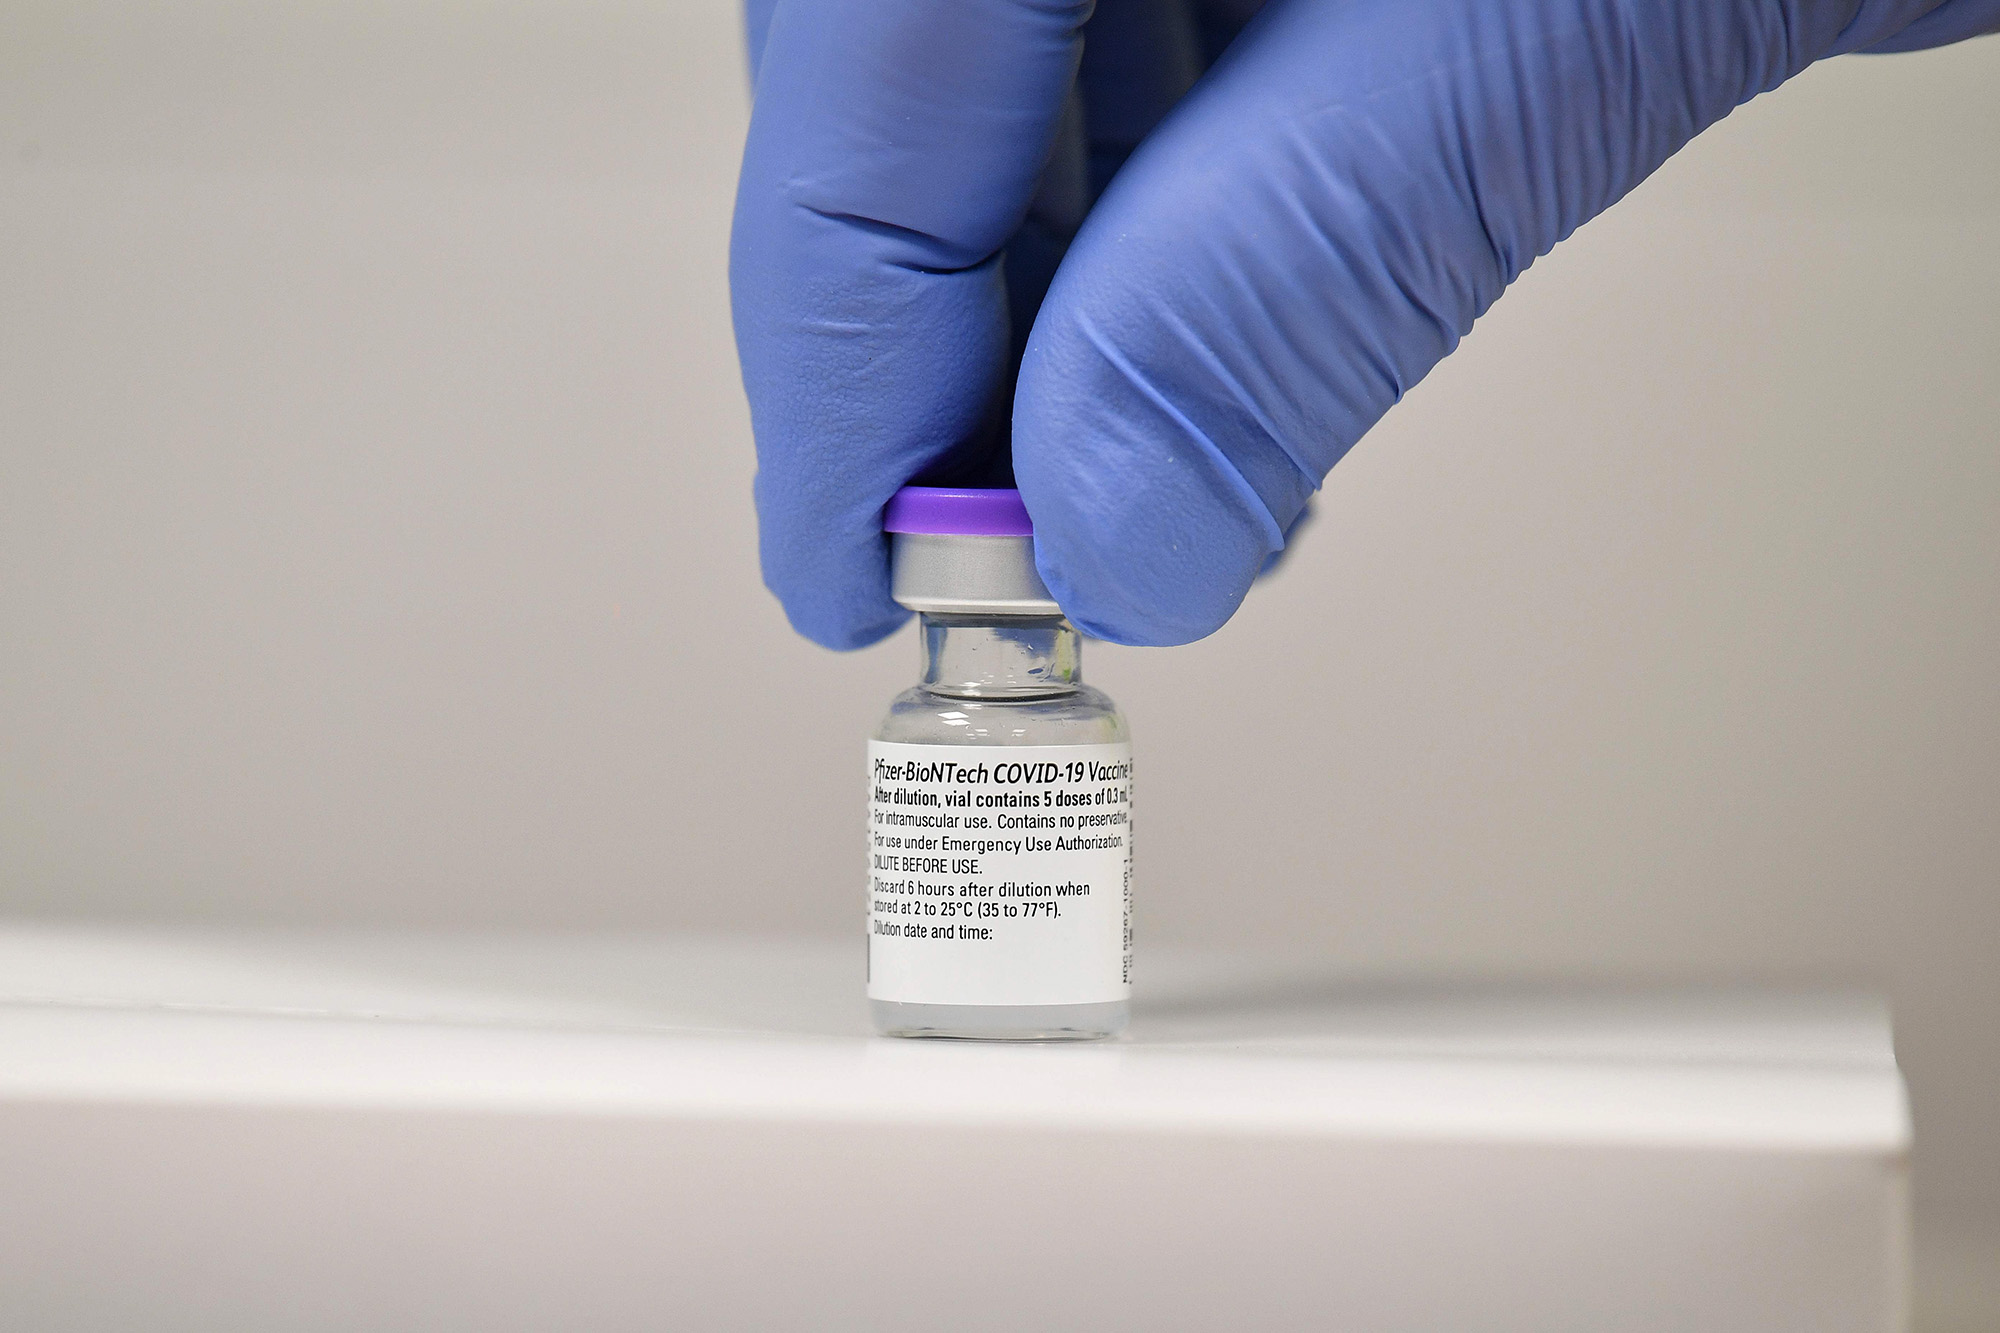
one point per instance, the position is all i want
(1295, 242)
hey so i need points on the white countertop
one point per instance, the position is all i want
(640, 1024)
(214, 1130)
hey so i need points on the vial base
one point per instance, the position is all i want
(1002, 1022)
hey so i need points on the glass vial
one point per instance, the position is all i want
(1000, 834)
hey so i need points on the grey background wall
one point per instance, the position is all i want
(376, 545)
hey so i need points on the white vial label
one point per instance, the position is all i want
(999, 874)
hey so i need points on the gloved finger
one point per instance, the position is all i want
(894, 148)
(1311, 230)
(1140, 57)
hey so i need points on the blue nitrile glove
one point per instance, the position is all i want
(1297, 242)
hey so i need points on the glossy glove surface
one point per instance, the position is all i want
(926, 280)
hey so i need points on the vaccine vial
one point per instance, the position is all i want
(1000, 797)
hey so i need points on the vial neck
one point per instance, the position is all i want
(1001, 657)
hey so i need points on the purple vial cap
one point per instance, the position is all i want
(947, 511)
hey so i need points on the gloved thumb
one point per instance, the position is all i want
(1316, 225)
